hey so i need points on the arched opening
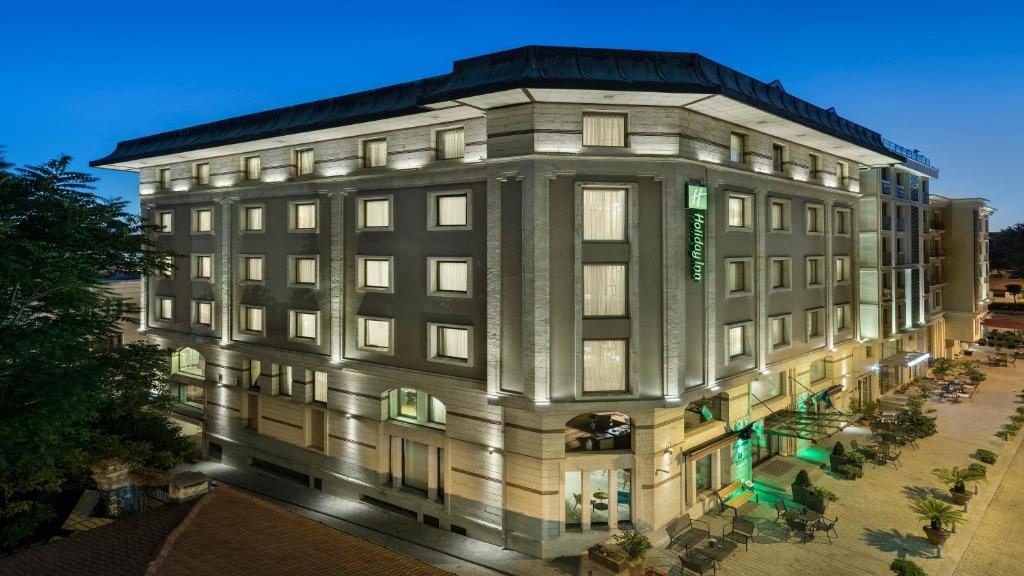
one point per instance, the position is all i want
(188, 362)
(416, 407)
(595, 431)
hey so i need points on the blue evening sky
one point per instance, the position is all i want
(944, 76)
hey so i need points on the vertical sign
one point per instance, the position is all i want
(696, 210)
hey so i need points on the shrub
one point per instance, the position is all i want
(851, 471)
(1017, 418)
(633, 544)
(825, 494)
(901, 567)
(802, 479)
(838, 449)
(986, 456)
(978, 470)
(857, 458)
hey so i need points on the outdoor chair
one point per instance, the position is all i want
(855, 444)
(797, 526)
(825, 525)
(698, 564)
(780, 509)
(742, 532)
(895, 459)
(682, 531)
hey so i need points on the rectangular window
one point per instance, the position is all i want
(842, 317)
(780, 331)
(814, 323)
(304, 270)
(451, 144)
(304, 325)
(252, 218)
(842, 269)
(842, 173)
(202, 266)
(165, 222)
(304, 162)
(202, 220)
(252, 319)
(201, 172)
(817, 370)
(374, 213)
(604, 365)
(779, 216)
(375, 153)
(604, 290)
(450, 343)
(252, 368)
(319, 386)
(778, 157)
(737, 147)
(737, 341)
(740, 213)
(842, 223)
(285, 386)
(602, 129)
(204, 314)
(252, 268)
(374, 334)
(813, 166)
(251, 168)
(165, 308)
(374, 273)
(604, 214)
(303, 216)
(165, 178)
(738, 281)
(450, 276)
(780, 269)
(451, 210)
(815, 274)
(815, 219)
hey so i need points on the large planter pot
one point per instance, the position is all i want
(835, 462)
(968, 352)
(819, 505)
(636, 568)
(935, 536)
(960, 498)
(800, 493)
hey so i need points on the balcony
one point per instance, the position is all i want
(937, 253)
(901, 259)
(900, 192)
(886, 258)
(937, 224)
(936, 279)
(900, 225)
(914, 194)
(886, 222)
(886, 187)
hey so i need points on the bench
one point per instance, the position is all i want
(735, 495)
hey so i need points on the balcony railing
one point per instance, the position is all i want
(914, 155)
(937, 225)
(937, 253)
(914, 194)
(886, 222)
(886, 187)
(886, 258)
(901, 258)
(900, 192)
(900, 225)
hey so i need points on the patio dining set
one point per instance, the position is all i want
(703, 553)
(806, 523)
(882, 448)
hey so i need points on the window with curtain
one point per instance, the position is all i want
(165, 310)
(165, 221)
(255, 368)
(780, 331)
(813, 323)
(737, 145)
(737, 341)
(778, 157)
(165, 178)
(376, 212)
(604, 129)
(604, 365)
(375, 153)
(189, 362)
(451, 210)
(203, 220)
(604, 214)
(319, 386)
(842, 221)
(252, 268)
(305, 270)
(737, 282)
(604, 289)
(451, 276)
(284, 387)
(304, 216)
(204, 313)
(739, 211)
(451, 144)
(842, 268)
(253, 318)
(780, 216)
(203, 266)
(842, 317)
(780, 273)
(452, 343)
(252, 218)
(814, 272)
(438, 412)
(252, 167)
(767, 387)
(817, 370)
(376, 273)
(304, 162)
(815, 223)
(374, 333)
(304, 325)
(202, 174)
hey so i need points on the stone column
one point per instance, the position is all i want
(690, 481)
(613, 499)
(585, 496)
(396, 462)
(716, 469)
(337, 273)
(432, 473)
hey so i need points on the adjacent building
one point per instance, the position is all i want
(553, 292)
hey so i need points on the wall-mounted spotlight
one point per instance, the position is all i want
(668, 451)
(490, 449)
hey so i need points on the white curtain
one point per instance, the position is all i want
(254, 319)
(438, 412)
(304, 161)
(813, 324)
(376, 333)
(453, 342)
(284, 387)
(204, 266)
(202, 174)
(452, 276)
(604, 365)
(451, 144)
(204, 313)
(604, 130)
(305, 270)
(737, 216)
(255, 368)
(305, 325)
(841, 269)
(252, 168)
(254, 218)
(779, 274)
(737, 276)
(451, 210)
(375, 153)
(376, 273)
(203, 221)
(166, 221)
(320, 386)
(840, 317)
(737, 344)
(736, 147)
(376, 213)
(166, 308)
(604, 290)
(254, 268)
(813, 273)
(778, 216)
(604, 214)
(778, 331)
(305, 216)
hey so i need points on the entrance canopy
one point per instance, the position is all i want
(905, 359)
(813, 426)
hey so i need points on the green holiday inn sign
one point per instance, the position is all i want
(696, 210)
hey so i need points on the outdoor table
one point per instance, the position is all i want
(804, 515)
(717, 549)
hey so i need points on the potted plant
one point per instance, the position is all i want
(901, 567)
(838, 457)
(973, 373)
(986, 456)
(857, 460)
(978, 469)
(819, 498)
(850, 471)
(867, 412)
(939, 515)
(956, 479)
(943, 368)
(801, 486)
(635, 546)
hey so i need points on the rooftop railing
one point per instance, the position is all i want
(914, 155)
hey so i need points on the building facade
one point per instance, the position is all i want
(551, 293)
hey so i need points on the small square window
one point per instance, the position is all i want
(449, 343)
(165, 178)
(815, 322)
(781, 273)
(815, 272)
(165, 308)
(604, 129)
(252, 319)
(374, 334)
(737, 341)
(374, 273)
(451, 144)
(604, 214)
(842, 221)
(779, 215)
(203, 313)
(304, 325)
(375, 213)
(252, 218)
(251, 268)
(813, 166)
(815, 214)
(842, 271)
(168, 267)
(201, 174)
(738, 279)
(604, 290)
(319, 381)
(251, 168)
(780, 332)
(605, 364)
(303, 270)
(449, 210)
(202, 220)
(449, 276)
(842, 317)
(304, 165)
(165, 222)
(740, 214)
(375, 153)
(202, 266)
(778, 157)
(737, 148)
(303, 216)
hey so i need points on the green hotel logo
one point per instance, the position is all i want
(696, 209)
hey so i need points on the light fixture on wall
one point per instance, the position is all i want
(348, 416)
(668, 451)
(766, 371)
(490, 449)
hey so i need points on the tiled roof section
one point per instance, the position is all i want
(122, 548)
(234, 534)
(526, 67)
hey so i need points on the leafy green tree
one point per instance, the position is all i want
(63, 399)
(1014, 290)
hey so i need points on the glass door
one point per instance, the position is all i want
(599, 497)
(624, 501)
(573, 498)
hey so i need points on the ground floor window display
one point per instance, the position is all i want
(598, 498)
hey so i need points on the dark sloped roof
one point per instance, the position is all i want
(526, 67)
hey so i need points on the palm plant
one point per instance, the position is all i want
(956, 477)
(936, 512)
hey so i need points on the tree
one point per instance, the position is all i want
(1014, 290)
(62, 397)
(1006, 249)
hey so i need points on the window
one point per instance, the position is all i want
(251, 168)
(202, 314)
(603, 129)
(374, 334)
(815, 219)
(842, 269)
(780, 331)
(817, 370)
(303, 270)
(604, 214)
(165, 178)
(737, 341)
(165, 308)
(781, 273)
(252, 319)
(737, 147)
(769, 386)
(303, 216)
(604, 290)
(303, 162)
(604, 365)
(449, 276)
(815, 274)
(842, 173)
(251, 370)
(168, 267)
(449, 343)
(842, 317)
(815, 322)
(813, 166)
(303, 325)
(778, 157)
(284, 388)
(202, 220)
(779, 216)
(189, 362)
(411, 405)
(252, 268)
(899, 178)
(448, 211)
(375, 153)
(375, 213)
(165, 222)
(319, 381)
(202, 266)
(252, 218)
(201, 174)
(738, 280)
(740, 212)
(451, 144)
(374, 273)
(842, 221)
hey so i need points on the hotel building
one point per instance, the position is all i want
(553, 292)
